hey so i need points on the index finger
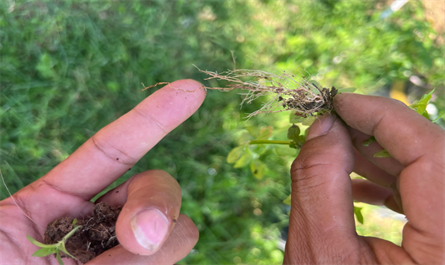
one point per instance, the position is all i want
(118, 146)
(405, 134)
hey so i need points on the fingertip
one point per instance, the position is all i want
(321, 126)
(173, 104)
(188, 86)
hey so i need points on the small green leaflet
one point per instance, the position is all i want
(244, 160)
(244, 138)
(369, 141)
(420, 106)
(46, 250)
(265, 133)
(382, 153)
(253, 130)
(235, 154)
(438, 118)
(37, 243)
(257, 168)
(58, 258)
(287, 200)
(358, 214)
(293, 132)
(43, 252)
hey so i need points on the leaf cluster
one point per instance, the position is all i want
(58, 248)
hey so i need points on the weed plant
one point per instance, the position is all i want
(68, 68)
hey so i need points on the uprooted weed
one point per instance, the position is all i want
(288, 92)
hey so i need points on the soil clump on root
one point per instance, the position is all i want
(97, 234)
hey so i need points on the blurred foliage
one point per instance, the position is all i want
(68, 68)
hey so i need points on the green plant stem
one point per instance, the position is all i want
(269, 142)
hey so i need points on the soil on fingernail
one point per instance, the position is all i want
(97, 234)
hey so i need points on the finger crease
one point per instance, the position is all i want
(304, 167)
(151, 118)
(126, 160)
(71, 193)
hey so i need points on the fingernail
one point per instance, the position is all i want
(321, 126)
(150, 228)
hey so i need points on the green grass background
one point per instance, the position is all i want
(68, 68)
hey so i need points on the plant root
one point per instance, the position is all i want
(302, 96)
(290, 93)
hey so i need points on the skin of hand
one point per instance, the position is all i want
(411, 181)
(149, 228)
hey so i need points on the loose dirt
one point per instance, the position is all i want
(96, 235)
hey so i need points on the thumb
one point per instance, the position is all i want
(321, 219)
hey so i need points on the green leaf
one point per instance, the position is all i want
(287, 200)
(244, 160)
(244, 138)
(58, 258)
(293, 132)
(37, 243)
(438, 118)
(382, 153)
(75, 221)
(420, 106)
(349, 90)
(43, 252)
(235, 154)
(260, 149)
(265, 133)
(253, 130)
(358, 214)
(257, 168)
(369, 141)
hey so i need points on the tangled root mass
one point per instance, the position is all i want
(289, 93)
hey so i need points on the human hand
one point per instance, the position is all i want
(412, 180)
(151, 200)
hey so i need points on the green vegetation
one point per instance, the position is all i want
(68, 68)
(58, 248)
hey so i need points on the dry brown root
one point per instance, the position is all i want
(288, 92)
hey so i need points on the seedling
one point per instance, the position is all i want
(49, 249)
(304, 97)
